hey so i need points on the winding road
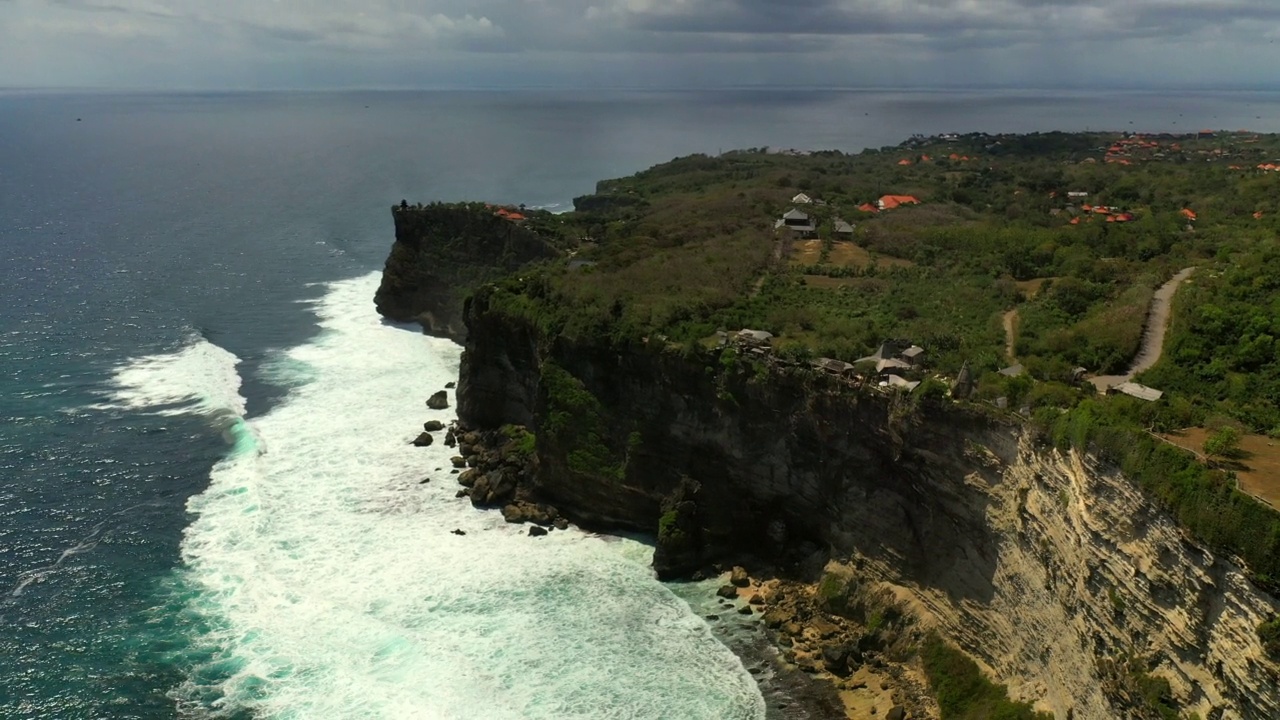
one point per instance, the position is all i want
(1152, 333)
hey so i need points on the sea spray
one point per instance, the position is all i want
(323, 579)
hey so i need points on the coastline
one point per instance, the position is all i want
(486, 468)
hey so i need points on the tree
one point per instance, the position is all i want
(1223, 443)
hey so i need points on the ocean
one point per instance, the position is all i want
(208, 504)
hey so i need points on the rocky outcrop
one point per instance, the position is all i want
(441, 252)
(1055, 573)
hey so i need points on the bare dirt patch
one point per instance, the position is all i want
(847, 254)
(806, 252)
(843, 254)
(1010, 322)
(1031, 288)
(1258, 465)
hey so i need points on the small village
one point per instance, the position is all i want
(900, 364)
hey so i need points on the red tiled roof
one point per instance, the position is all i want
(868, 207)
(1188, 213)
(904, 161)
(888, 202)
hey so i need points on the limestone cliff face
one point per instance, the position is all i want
(440, 253)
(1074, 572)
(1048, 569)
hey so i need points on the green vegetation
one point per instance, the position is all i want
(522, 441)
(669, 531)
(574, 422)
(1152, 694)
(1203, 500)
(1221, 348)
(963, 692)
(1269, 634)
(1224, 442)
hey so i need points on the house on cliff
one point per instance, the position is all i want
(799, 223)
(1133, 389)
(889, 202)
(892, 357)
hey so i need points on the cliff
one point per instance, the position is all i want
(441, 252)
(1053, 571)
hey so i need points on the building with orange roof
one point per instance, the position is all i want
(889, 202)
(868, 207)
(1188, 213)
(904, 161)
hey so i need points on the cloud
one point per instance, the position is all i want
(324, 42)
(941, 19)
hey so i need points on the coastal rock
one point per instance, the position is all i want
(775, 617)
(450, 439)
(458, 461)
(897, 712)
(458, 532)
(739, 576)
(468, 478)
(493, 488)
(438, 401)
(433, 426)
(423, 440)
(450, 385)
(521, 512)
(745, 610)
(727, 591)
(560, 523)
(756, 599)
(835, 658)
(537, 531)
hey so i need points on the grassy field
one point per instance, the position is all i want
(1258, 465)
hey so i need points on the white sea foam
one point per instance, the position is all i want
(200, 377)
(336, 589)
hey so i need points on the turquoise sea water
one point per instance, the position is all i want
(208, 506)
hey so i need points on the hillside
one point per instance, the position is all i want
(884, 360)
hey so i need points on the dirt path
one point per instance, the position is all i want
(1010, 332)
(1152, 333)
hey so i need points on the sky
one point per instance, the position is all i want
(322, 44)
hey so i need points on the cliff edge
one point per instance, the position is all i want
(1049, 568)
(441, 251)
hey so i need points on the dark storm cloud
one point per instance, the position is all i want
(941, 19)
(312, 42)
